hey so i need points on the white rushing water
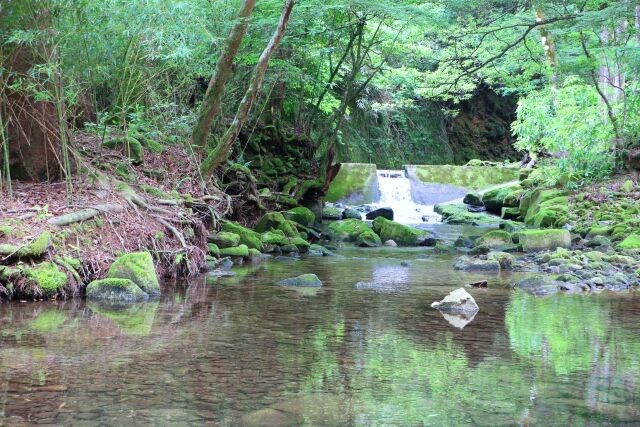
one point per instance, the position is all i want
(395, 193)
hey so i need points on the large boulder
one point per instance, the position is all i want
(380, 212)
(115, 291)
(331, 213)
(241, 251)
(402, 234)
(350, 213)
(270, 221)
(137, 267)
(458, 301)
(304, 280)
(539, 240)
(353, 230)
(473, 199)
(545, 208)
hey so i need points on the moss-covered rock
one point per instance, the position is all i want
(402, 234)
(510, 213)
(355, 183)
(48, 278)
(350, 213)
(627, 187)
(269, 221)
(545, 208)
(6, 231)
(495, 239)
(247, 236)
(139, 268)
(129, 146)
(301, 244)
(506, 260)
(331, 213)
(224, 239)
(303, 216)
(115, 291)
(538, 240)
(274, 237)
(453, 213)
(473, 199)
(632, 241)
(305, 280)
(494, 200)
(241, 251)
(353, 230)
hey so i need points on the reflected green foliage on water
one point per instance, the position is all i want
(245, 350)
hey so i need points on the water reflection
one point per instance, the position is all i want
(246, 350)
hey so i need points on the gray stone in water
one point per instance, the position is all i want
(383, 212)
(390, 243)
(115, 291)
(306, 280)
(458, 301)
(221, 273)
(467, 263)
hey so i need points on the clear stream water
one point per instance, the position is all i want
(366, 349)
(244, 351)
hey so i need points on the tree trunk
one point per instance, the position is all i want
(213, 96)
(220, 153)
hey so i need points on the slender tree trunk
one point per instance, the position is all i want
(213, 96)
(220, 153)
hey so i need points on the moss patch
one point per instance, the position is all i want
(631, 242)
(353, 230)
(355, 183)
(48, 278)
(239, 251)
(470, 177)
(537, 240)
(247, 236)
(303, 216)
(402, 234)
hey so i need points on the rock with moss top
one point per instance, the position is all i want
(494, 200)
(350, 213)
(495, 239)
(274, 237)
(139, 268)
(224, 239)
(114, 290)
(48, 278)
(467, 263)
(630, 242)
(473, 199)
(241, 251)
(269, 221)
(402, 234)
(213, 250)
(331, 213)
(539, 240)
(353, 230)
(247, 236)
(545, 208)
(305, 280)
(303, 216)
(627, 187)
(506, 260)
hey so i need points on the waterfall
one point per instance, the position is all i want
(395, 192)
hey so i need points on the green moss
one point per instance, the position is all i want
(545, 208)
(48, 321)
(6, 231)
(48, 278)
(304, 280)
(506, 260)
(269, 221)
(129, 146)
(453, 213)
(213, 250)
(355, 183)
(303, 216)
(402, 234)
(301, 244)
(331, 213)
(494, 200)
(139, 268)
(134, 319)
(495, 239)
(274, 237)
(115, 290)
(36, 249)
(224, 239)
(155, 192)
(627, 187)
(470, 177)
(238, 251)
(630, 242)
(537, 240)
(247, 236)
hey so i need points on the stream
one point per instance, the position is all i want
(365, 349)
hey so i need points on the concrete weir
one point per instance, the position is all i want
(358, 183)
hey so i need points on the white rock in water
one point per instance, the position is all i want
(458, 301)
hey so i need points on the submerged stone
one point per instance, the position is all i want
(115, 291)
(467, 263)
(458, 301)
(308, 280)
(539, 285)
